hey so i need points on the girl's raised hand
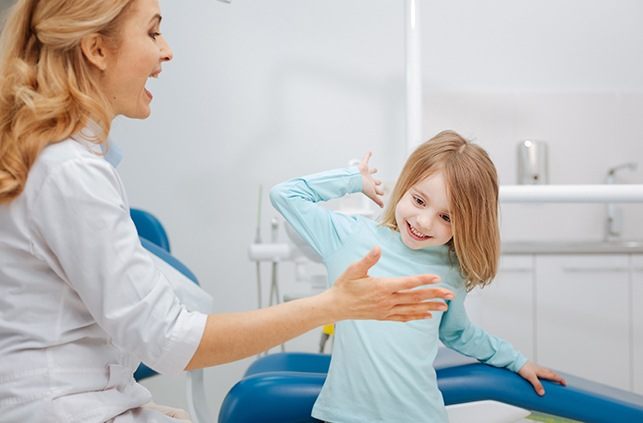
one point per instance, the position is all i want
(371, 187)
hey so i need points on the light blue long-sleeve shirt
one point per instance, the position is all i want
(382, 371)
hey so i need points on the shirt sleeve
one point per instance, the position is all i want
(458, 333)
(297, 200)
(82, 217)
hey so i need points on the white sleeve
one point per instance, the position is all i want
(82, 216)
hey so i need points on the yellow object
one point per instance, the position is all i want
(327, 331)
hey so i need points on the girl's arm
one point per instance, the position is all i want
(458, 333)
(355, 295)
(324, 229)
(297, 201)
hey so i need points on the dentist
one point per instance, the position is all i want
(81, 302)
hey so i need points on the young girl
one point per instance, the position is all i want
(442, 219)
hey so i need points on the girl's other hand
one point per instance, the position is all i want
(533, 373)
(371, 187)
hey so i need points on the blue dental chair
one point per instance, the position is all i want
(282, 388)
(154, 239)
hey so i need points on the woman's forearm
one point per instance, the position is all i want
(233, 336)
(354, 295)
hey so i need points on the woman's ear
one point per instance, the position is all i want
(93, 48)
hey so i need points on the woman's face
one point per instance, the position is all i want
(422, 214)
(140, 52)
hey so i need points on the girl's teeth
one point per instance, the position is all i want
(416, 233)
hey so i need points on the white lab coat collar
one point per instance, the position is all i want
(110, 151)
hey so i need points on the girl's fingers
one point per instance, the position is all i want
(533, 379)
(366, 158)
(553, 376)
(372, 170)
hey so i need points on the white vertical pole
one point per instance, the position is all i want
(413, 76)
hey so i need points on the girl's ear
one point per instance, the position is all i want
(93, 48)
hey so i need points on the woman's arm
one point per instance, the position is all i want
(355, 295)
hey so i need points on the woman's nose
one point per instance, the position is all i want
(166, 51)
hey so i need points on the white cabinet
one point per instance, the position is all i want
(505, 308)
(583, 316)
(637, 323)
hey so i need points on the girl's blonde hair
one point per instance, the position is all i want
(47, 92)
(472, 190)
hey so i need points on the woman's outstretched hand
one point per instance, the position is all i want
(356, 295)
(533, 373)
(371, 187)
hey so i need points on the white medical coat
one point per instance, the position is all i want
(81, 302)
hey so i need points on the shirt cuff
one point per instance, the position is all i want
(184, 341)
(355, 183)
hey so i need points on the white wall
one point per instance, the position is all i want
(260, 91)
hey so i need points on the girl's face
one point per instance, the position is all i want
(138, 57)
(422, 214)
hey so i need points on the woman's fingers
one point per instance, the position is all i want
(419, 308)
(406, 283)
(409, 317)
(420, 295)
(360, 268)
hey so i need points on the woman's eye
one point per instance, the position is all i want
(446, 218)
(154, 35)
(418, 201)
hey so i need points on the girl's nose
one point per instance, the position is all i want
(424, 221)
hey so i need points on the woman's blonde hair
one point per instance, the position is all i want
(472, 190)
(47, 92)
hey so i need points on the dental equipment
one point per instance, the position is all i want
(413, 64)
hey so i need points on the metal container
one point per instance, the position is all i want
(533, 166)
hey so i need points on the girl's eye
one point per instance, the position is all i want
(418, 201)
(154, 35)
(446, 218)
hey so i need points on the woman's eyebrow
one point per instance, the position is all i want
(157, 16)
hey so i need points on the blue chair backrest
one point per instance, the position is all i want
(154, 239)
(149, 227)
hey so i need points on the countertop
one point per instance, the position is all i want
(573, 247)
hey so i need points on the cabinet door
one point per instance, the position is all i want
(505, 308)
(637, 321)
(583, 316)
